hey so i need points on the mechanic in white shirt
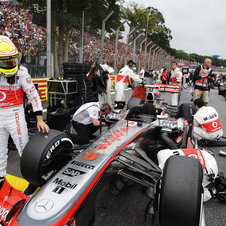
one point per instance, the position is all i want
(142, 73)
(176, 79)
(86, 121)
(206, 122)
(122, 81)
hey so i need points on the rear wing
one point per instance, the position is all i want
(168, 88)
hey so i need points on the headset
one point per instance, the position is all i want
(105, 111)
(131, 63)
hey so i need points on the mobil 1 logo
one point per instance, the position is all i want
(72, 172)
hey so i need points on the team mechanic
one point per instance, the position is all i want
(122, 81)
(14, 80)
(176, 79)
(206, 122)
(202, 75)
(86, 121)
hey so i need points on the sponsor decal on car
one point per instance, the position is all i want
(178, 139)
(72, 172)
(64, 184)
(52, 148)
(86, 166)
(3, 212)
(111, 139)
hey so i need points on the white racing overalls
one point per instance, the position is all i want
(207, 124)
(176, 76)
(122, 82)
(106, 97)
(207, 161)
(12, 118)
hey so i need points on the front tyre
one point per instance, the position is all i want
(44, 155)
(181, 192)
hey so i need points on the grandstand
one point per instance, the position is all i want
(16, 23)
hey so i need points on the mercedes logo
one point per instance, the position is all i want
(44, 205)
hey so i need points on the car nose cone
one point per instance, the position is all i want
(44, 205)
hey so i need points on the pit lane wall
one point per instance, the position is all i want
(42, 86)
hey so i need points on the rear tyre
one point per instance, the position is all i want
(44, 155)
(221, 90)
(181, 192)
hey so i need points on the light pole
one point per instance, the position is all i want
(102, 35)
(141, 52)
(48, 40)
(146, 46)
(153, 57)
(81, 39)
(146, 41)
(164, 59)
(116, 46)
(150, 55)
(134, 45)
(127, 43)
(160, 58)
(157, 56)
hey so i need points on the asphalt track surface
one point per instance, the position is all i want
(128, 207)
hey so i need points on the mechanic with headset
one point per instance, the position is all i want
(122, 80)
(206, 122)
(86, 121)
(14, 80)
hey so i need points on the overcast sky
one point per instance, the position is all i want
(197, 26)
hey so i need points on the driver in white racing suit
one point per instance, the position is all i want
(14, 80)
(122, 81)
(176, 79)
(206, 122)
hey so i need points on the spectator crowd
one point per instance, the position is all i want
(16, 23)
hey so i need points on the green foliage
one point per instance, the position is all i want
(194, 57)
(148, 18)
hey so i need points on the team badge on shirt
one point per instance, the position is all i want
(95, 112)
(28, 79)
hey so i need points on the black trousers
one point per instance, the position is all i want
(84, 132)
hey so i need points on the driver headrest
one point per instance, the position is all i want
(149, 109)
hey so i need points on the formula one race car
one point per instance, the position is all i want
(136, 148)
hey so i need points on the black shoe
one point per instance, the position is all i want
(67, 128)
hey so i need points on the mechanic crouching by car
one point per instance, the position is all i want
(86, 121)
(122, 80)
(14, 81)
(206, 122)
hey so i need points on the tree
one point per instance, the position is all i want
(66, 15)
(141, 18)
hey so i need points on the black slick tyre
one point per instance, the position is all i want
(221, 90)
(181, 192)
(44, 155)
